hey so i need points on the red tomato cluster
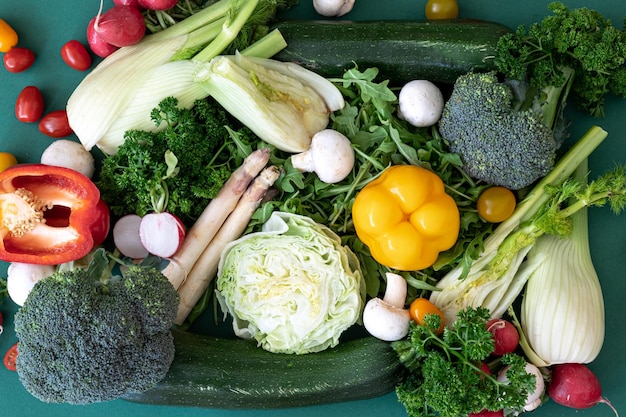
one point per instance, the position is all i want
(29, 104)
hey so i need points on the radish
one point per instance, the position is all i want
(121, 26)
(126, 237)
(132, 3)
(98, 45)
(161, 234)
(157, 4)
(574, 385)
(505, 336)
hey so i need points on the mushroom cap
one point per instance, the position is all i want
(333, 8)
(420, 103)
(385, 321)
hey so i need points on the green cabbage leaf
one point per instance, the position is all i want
(292, 286)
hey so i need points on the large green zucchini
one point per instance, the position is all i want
(438, 51)
(226, 373)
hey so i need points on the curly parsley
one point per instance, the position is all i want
(445, 378)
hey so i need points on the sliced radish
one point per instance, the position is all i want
(126, 237)
(161, 233)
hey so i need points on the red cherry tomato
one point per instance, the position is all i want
(102, 223)
(18, 59)
(55, 124)
(10, 358)
(29, 105)
(76, 55)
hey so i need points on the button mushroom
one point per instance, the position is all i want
(420, 103)
(333, 8)
(330, 156)
(386, 318)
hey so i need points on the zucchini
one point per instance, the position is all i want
(215, 372)
(402, 51)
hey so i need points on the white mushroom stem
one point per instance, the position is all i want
(533, 400)
(386, 318)
(330, 156)
(333, 8)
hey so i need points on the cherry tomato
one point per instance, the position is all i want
(10, 358)
(18, 59)
(29, 105)
(55, 124)
(76, 55)
(7, 160)
(102, 223)
(441, 9)
(496, 204)
(420, 307)
(8, 36)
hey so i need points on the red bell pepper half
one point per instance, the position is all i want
(46, 214)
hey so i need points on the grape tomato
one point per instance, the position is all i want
(29, 105)
(496, 204)
(75, 55)
(55, 124)
(18, 59)
(10, 358)
(441, 9)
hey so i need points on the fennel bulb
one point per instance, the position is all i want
(282, 103)
(292, 286)
(562, 313)
(497, 277)
(121, 91)
(491, 281)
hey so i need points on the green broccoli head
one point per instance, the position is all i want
(497, 142)
(82, 340)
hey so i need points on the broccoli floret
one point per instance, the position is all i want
(498, 141)
(87, 336)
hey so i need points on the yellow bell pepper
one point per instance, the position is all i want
(406, 218)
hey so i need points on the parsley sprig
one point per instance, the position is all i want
(445, 377)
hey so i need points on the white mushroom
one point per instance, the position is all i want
(420, 103)
(22, 277)
(386, 318)
(330, 156)
(533, 400)
(333, 8)
(69, 154)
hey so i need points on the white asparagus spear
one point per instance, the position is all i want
(205, 268)
(206, 226)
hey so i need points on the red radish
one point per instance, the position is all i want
(121, 26)
(487, 413)
(126, 237)
(132, 3)
(161, 233)
(98, 45)
(157, 4)
(574, 385)
(505, 336)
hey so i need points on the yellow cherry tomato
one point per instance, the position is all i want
(6, 160)
(8, 36)
(420, 307)
(496, 204)
(441, 9)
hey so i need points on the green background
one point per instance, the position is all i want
(44, 26)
